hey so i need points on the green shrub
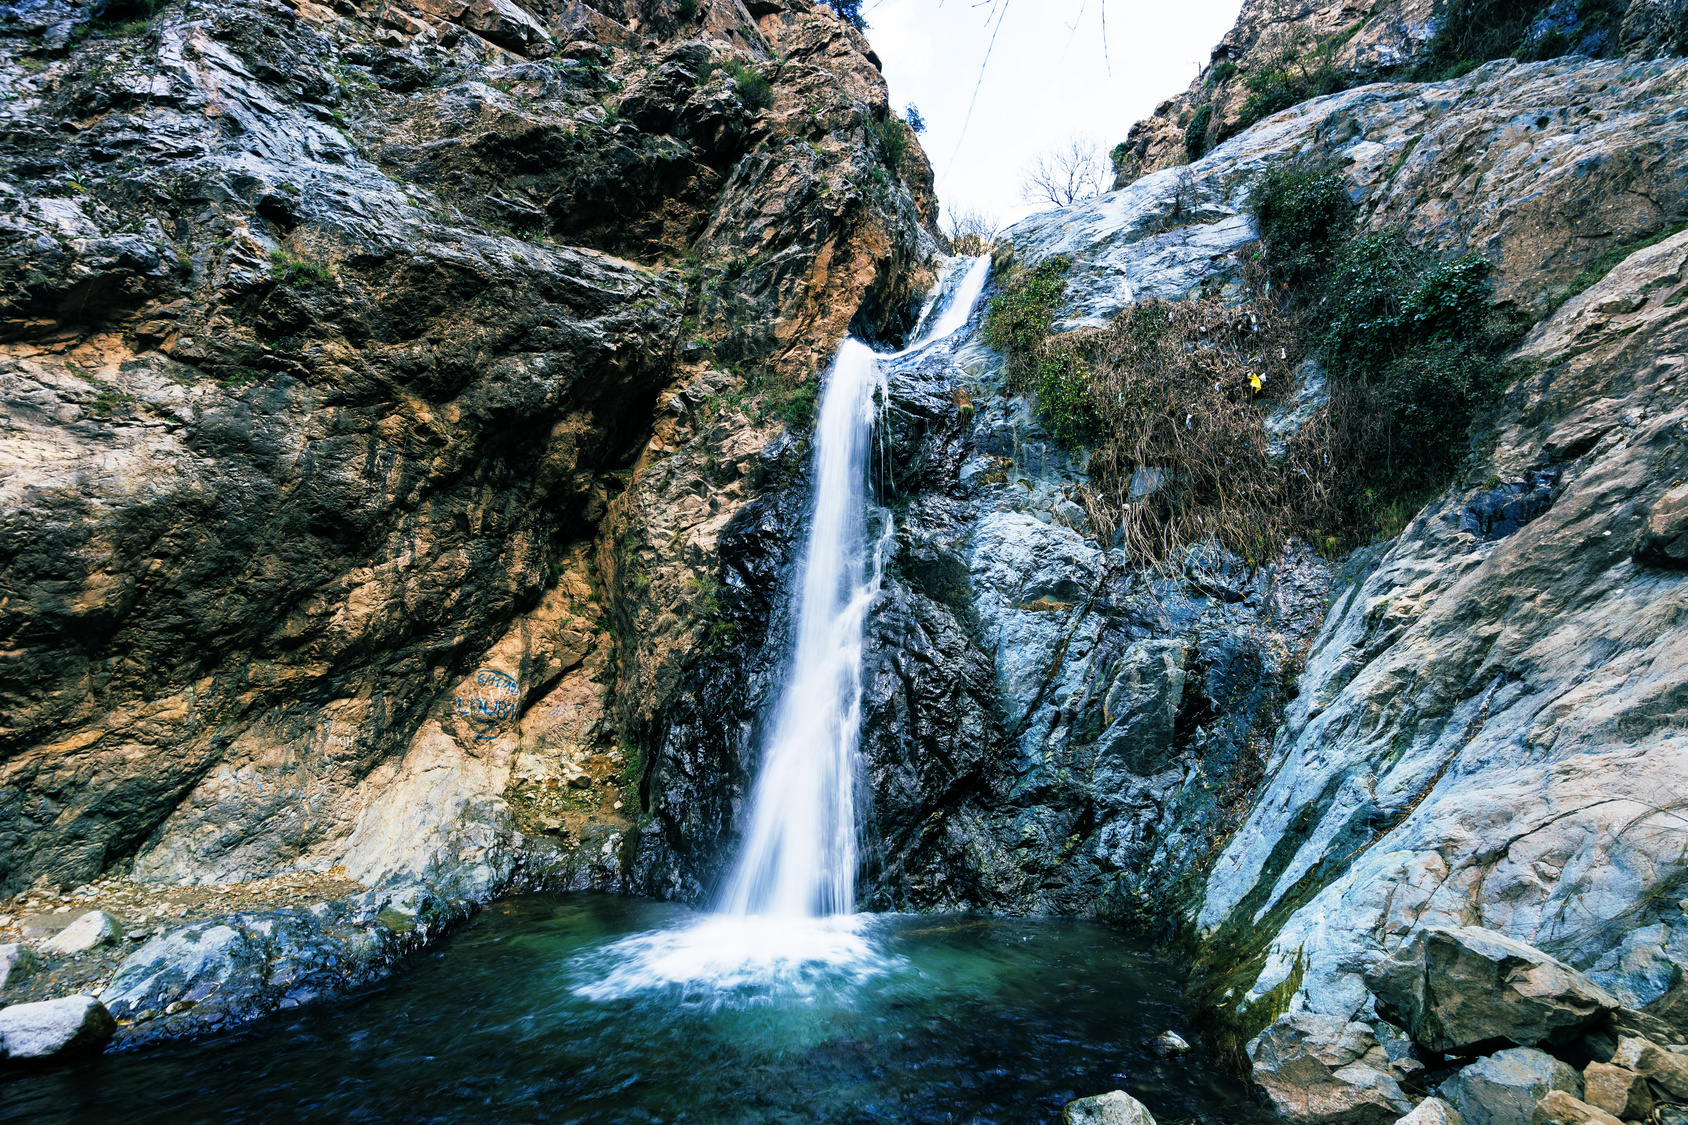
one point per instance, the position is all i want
(1220, 72)
(755, 91)
(296, 273)
(1473, 32)
(1022, 314)
(890, 137)
(1195, 133)
(686, 11)
(1302, 212)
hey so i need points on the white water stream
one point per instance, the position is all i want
(787, 906)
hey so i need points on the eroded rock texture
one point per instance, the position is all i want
(335, 337)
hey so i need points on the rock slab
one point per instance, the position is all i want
(1649, 1060)
(1560, 1108)
(1432, 1111)
(52, 1029)
(16, 962)
(1458, 988)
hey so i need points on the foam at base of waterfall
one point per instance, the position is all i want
(736, 960)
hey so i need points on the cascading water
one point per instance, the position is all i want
(799, 852)
(786, 909)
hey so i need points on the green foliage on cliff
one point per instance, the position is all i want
(1195, 133)
(1303, 213)
(1018, 325)
(1473, 32)
(755, 91)
(1412, 346)
(889, 136)
(296, 273)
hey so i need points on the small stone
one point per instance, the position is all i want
(1649, 1060)
(1432, 1111)
(1618, 1091)
(16, 963)
(1169, 1044)
(92, 929)
(51, 1029)
(1116, 1108)
(177, 1006)
(1560, 1108)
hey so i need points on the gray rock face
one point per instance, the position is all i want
(54, 1029)
(1116, 1108)
(91, 929)
(1323, 1069)
(1504, 1088)
(1487, 731)
(1457, 988)
(1428, 159)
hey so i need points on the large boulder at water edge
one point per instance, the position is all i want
(1454, 989)
(1116, 1108)
(52, 1029)
(1504, 1088)
(1324, 1070)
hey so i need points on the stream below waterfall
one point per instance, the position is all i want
(937, 1019)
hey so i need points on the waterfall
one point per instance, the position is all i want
(784, 921)
(798, 858)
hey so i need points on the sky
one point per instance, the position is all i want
(1046, 80)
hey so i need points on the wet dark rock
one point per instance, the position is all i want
(214, 974)
(1498, 512)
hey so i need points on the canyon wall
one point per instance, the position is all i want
(346, 347)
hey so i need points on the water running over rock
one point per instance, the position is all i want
(785, 912)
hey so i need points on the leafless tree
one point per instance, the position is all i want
(972, 230)
(1067, 174)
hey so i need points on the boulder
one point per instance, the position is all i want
(1664, 543)
(1324, 1069)
(1618, 1090)
(1169, 1044)
(1560, 1108)
(1459, 988)
(503, 23)
(54, 1029)
(1504, 1088)
(92, 929)
(16, 962)
(1668, 1068)
(1116, 1108)
(1432, 1111)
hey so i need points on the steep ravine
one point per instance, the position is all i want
(406, 455)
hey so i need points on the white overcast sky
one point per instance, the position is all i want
(1046, 80)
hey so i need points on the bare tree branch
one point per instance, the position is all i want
(1075, 171)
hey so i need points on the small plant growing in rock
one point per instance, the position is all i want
(755, 91)
(1195, 133)
(296, 273)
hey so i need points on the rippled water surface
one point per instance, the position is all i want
(598, 1009)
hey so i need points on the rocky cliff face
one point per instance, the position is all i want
(1488, 730)
(344, 345)
(1282, 53)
